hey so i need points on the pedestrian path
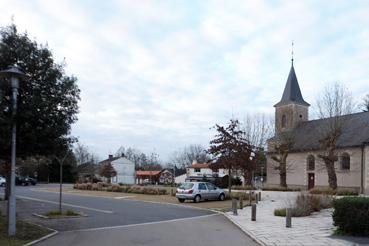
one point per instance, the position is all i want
(271, 230)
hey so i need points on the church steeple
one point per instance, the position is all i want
(292, 92)
(292, 108)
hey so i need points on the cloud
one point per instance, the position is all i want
(156, 75)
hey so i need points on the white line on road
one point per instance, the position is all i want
(66, 204)
(141, 224)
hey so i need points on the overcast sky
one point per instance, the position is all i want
(156, 75)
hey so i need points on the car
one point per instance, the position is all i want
(2, 181)
(19, 180)
(199, 191)
(31, 181)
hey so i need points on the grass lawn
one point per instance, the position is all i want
(26, 233)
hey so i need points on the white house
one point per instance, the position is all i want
(201, 171)
(125, 169)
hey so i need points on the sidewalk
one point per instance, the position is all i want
(271, 230)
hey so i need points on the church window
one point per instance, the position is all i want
(310, 163)
(283, 120)
(345, 161)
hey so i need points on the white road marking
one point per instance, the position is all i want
(66, 204)
(145, 223)
(122, 197)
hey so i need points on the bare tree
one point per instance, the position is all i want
(365, 104)
(184, 157)
(282, 144)
(84, 155)
(334, 102)
(258, 128)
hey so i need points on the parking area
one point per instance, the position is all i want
(215, 205)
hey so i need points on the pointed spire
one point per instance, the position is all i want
(292, 92)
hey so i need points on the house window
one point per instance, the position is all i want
(283, 121)
(310, 163)
(197, 170)
(345, 161)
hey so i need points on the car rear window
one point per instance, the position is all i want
(186, 186)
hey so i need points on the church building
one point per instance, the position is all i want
(305, 169)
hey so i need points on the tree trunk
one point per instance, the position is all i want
(283, 171)
(247, 176)
(332, 177)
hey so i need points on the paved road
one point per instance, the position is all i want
(125, 222)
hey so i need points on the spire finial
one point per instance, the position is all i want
(292, 53)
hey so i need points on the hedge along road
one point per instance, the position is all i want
(127, 222)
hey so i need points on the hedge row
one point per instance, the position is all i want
(101, 186)
(329, 191)
(351, 215)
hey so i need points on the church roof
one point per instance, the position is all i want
(355, 132)
(292, 92)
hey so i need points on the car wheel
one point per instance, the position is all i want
(197, 199)
(181, 200)
(221, 197)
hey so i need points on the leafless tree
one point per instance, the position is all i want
(185, 156)
(365, 104)
(282, 144)
(334, 102)
(258, 128)
(84, 155)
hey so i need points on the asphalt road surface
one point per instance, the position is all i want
(111, 221)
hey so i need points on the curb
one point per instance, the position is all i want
(54, 232)
(245, 231)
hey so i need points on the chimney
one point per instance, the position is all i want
(110, 157)
(194, 162)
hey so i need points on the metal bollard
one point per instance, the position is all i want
(288, 217)
(256, 198)
(259, 196)
(241, 202)
(253, 212)
(234, 206)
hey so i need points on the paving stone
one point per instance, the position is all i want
(270, 230)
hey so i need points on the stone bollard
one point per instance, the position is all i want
(288, 217)
(241, 202)
(253, 212)
(234, 206)
(259, 196)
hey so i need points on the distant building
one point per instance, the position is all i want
(203, 171)
(154, 177)
(125, 169)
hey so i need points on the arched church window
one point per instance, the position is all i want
(310, 163)
(283, 120)
(345, 161)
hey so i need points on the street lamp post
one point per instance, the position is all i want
(14, 74)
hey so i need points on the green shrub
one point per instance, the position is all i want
(239, 187)
(280, 189)
(329, 191)
(351, 215)
(347, 193)
(280, 212)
